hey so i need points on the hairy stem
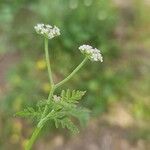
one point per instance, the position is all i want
(62, 82)
(38, 128)
(72, 73)
(49, 73)
(49, 98)
(48, 61)
(45, 116)
(33, 138)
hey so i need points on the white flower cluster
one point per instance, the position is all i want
(93, 53)
(56, 98)
(47, 30)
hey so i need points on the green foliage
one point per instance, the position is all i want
(72, 96)
(62, 111)
(29, 112)
(66, 123)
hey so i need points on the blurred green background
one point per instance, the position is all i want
(118, 90)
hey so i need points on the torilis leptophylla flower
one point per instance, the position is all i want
(47, 30)
(56, 98)
(92, 53)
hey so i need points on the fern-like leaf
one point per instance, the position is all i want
(72, 96)
(66, 123)
(28, 112)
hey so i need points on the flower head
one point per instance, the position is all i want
(56, 98)
(92, 53)
(47, 30)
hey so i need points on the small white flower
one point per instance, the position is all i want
(48, 26)
(47, 30)
(92, 53)
(56, 98)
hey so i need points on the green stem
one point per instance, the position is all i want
(45, 115)
(50, 75)
(49, 98)
(33, 138)
(38, 128)
(43, 120)
(72, 74)
(60, 83)
(48, 61)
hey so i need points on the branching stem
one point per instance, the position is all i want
(72, 73)
(45, 114)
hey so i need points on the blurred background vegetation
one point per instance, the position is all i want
(118, 89)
